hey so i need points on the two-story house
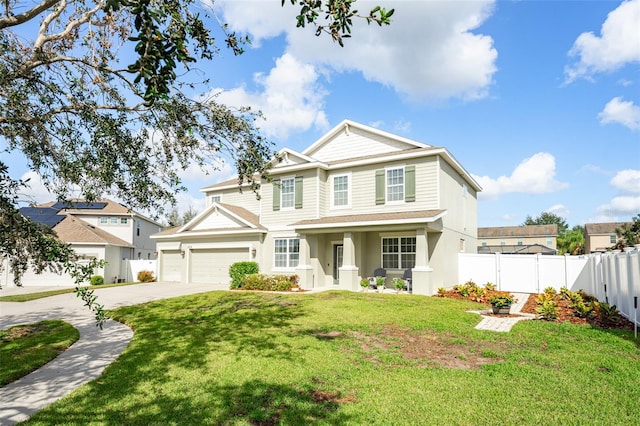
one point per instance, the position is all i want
(600, 237)
(104, 230)
(356, 200)
(525, 239)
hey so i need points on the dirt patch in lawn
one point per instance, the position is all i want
(427, 348)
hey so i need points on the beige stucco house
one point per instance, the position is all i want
(355, 200)
(525, 239)
(103, 230)
(600, 237)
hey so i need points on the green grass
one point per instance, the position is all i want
(226, 358)
(39, 295)
(25, 348)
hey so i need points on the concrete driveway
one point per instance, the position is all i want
(87, 358)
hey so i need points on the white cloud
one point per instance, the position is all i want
(291, 99)
(627, 180)
(620, 208)
(617, 45)
(559, 210)
(216, 170)
(35, 190)
(429, 52)
(622, 112)
(534, 175)
(402, 126)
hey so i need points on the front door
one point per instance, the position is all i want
(337, 262)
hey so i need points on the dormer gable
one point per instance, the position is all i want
(289, 157)
(350, 139)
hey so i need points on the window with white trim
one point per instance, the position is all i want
(399, 252)
(395, 184)
(340, 191)
(104, 220)
(286, 252)
(613, 239)
(519, 241)
(123, 221)
(287, 193)
(549, 241)
(114, 220)
(216, 198)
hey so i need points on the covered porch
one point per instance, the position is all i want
(339, 251)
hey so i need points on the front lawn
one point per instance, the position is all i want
(25, 348)
(227, 358)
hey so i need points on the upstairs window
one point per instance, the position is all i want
(395, 185)
(216, 198)
(123, 220)
(519, 241)
(340, 191)
(613, 239)
(287, 193)
(114, 221)
(104, 220)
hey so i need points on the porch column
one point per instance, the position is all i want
(421, 279)
(348, 272)
(304, 269)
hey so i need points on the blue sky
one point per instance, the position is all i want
(538, 100)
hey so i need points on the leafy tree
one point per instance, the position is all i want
(547, 218)
(85, 120)
(572, 241)
(628, 233)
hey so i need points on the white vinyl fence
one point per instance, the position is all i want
(135, 266)
(611, 277)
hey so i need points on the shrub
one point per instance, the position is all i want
(605, 312)
(550, 290)
(490, 286)
(96, 280)
(398, 284)
(442, 291)
(239, 270)
(364, 283)
(582, 310)
(380, 281)
(268, 282)
(548, 310)
(146, 276)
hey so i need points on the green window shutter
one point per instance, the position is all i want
(298, 192)
(409, 183)
(380, 186)
(276, 194)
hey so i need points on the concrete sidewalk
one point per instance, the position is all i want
(89, 356)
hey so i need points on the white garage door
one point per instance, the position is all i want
(212, 265)
(172, 265)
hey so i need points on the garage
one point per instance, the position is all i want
(212, 265)
(171, 266)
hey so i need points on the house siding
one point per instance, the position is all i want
(461, 209)
(279, 218)
(351, 144)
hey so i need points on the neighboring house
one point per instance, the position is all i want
(600, 237)
(104, 230)
(526, 239)
(355, 200)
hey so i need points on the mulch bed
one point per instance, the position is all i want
(567, 314)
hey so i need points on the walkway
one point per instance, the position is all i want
(494, 323)
(89, 356)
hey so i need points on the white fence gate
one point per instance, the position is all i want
(611, 277)
(135, 266)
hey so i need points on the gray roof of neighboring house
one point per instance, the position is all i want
(519, 231)
(74, 230)
(602, 228)
(515, 249)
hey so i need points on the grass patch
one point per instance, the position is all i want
(229, 358)
(25, 348)
(39, 295)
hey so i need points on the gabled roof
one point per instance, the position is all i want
(602, 228)
(231, 219)
(348, 126)
(519, 231)
(74, 230)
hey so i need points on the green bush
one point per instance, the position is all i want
(268, 282)
(146, 276)
(550, 290)
(548, 310)
(239, 270)
(96, 280)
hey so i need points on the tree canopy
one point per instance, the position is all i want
(96, 96)
(547, 218)
(628, 233)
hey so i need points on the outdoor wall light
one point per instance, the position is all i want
(182, 253)
(253, 252)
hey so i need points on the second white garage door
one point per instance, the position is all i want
(212, 265)
(172, 265)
